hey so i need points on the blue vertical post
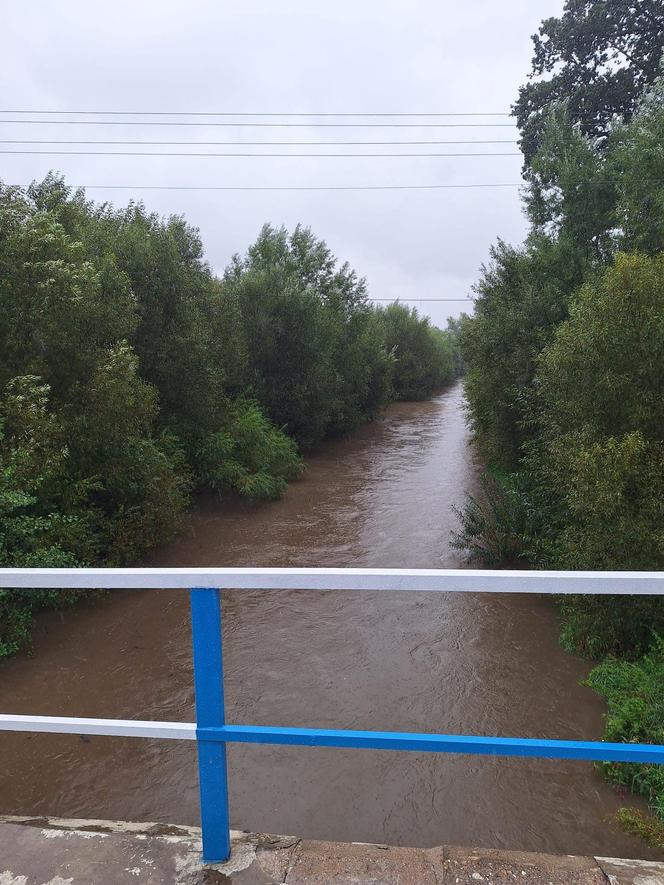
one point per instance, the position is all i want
(209, 686)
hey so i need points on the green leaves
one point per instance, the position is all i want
(249, 456)
(422, 356)
(634, 693)
(521, 298)
(32, 531)
(500, 527)
(636, 161)
(320, 360)
(598, 56)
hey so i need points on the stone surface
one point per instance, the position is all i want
(337, 862)
(631, 872)
(493, 867)
(53, 851)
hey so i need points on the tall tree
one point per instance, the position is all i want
(598, 56)
(316, 362)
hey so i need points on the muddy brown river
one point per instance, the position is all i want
(485, 664)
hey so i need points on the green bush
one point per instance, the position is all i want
(500, 526)
(645, 826)
(601, 455)
(595, 626)
(423, 356)
(30, 536)
(250, 456)
(634, 693)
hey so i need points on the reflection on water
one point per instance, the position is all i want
(465, 663)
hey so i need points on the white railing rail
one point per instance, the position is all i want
(428, 580)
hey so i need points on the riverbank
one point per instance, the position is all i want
(463, 663)
(80, 852)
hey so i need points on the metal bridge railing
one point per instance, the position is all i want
(210, 730)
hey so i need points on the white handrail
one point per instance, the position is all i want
(428, 580)
(179, 731)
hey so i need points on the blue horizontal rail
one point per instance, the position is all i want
(598, 751)
(211, 731)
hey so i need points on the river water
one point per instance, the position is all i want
(466, 663)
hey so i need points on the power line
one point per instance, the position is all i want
(304, 187)
(240, 154)
(266, 113)
(257, 143)
(268, 125)
(307, 187)
(399, 298)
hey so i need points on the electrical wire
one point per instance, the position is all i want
(267, 125)
(265, 113)
(351, 187)
(314, 187)
(241, 154)
(257, 143)
(399, 298)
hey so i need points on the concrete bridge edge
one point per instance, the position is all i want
(57, 851)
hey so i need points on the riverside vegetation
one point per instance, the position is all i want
(565, 358)
(131, 376)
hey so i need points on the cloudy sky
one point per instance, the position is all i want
(295, 56)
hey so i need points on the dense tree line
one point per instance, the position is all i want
(565, 364)
(131, 376)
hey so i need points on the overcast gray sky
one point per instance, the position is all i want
(292, 56)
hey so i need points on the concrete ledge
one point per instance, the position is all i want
(56, 851)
